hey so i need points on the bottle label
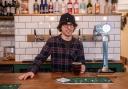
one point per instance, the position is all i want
(76, 11)
(50, 10)
(90, 10)
(41, 10)
(46, 9)
(107, 9)
(82, 6)
(69, 5)
(97, 9)
(5, 11)
(13, 10)
(76, 6)
(36, 7)
(24, 7)
(8, 9)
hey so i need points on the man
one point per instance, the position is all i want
(64, 49)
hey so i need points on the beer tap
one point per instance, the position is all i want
(35, 35)
(79, 34)
(37, 38)
(50, 30)
(102, 30)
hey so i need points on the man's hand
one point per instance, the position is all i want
(83, 68)
(26, 76)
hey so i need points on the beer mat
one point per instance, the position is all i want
(84, 80)
(9, 86)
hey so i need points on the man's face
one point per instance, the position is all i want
(67, 29)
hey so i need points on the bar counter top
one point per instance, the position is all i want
(48, 81)
(47, 62)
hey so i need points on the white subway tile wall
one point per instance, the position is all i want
(37, 18)
(19, 25)
(25, 25)
(24, 19)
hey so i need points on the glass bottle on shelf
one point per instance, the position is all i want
(63, 7)
(17, 7)
(56, 7)
(14, 1)
(42, 7)
(76, 7)
(24, 7)
(8, 8)
(107, 7)
(13, 7)
(45, 7)
(1, 8)
(89, 7)
(97, 7)
(69, 7)
(83, 7)
(5, 8)
(36, 7)
(50, 7)
(113, 6)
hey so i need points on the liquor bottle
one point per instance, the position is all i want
(69, 5)
(17, 7)
(45, 7)
(5, 8)
(24, 7)
(8, 8)
(1, 8)
(76, 7)
(97, 7)
(42, 7)
(89, 7)
(36, 7)
(13, 7)
(56, 7)
(50, 7)
(113, 6)
(107, 7)
(63, 7)
(83, 7)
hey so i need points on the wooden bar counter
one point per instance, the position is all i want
(48, 81)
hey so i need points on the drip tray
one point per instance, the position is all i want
(87, 80)
(9, 86)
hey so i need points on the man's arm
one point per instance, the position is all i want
(41, 57)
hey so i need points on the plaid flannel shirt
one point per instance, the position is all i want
(62, 55)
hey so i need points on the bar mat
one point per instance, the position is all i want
(9, 86)
(85, 80)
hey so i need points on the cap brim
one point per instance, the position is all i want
(68, 23)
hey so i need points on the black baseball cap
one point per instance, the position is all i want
(66, 19)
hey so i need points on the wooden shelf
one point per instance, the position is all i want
(3, 35)
(61, 14)
(6, 17)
